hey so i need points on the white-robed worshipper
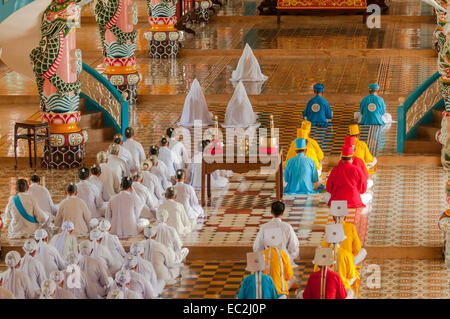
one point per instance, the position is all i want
(160, 170)
(289, 243)
(239, 112)
(65, 242)
(77, 281)
(31, 266)
(248, 68)
(48, 289)
(46, 254)
(178, 218)
(152, 182)
(96, 172)
(138, 282)
(162, 260)
(6, 294)
(178, 149)
(42, 196)
(101, 252)
(167, 156)
(59, 278)
(146, 269)
(123, 282)
(15, 280)
(124, 153)
(111, 241)
(134, 147)
(168, 236)
(90, 194)
(123, 211)
(23, 213)
(195, 108)
(109, 178)
(117, 164)
(188, 198)
(149, 201)
(74, 209)
(95, 269)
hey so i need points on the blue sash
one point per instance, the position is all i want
(22, 210)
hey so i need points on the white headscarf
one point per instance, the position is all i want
(12, 259)
(104, 225)
(131, 261)
(57, 276)
(122, 278)
(28, 247)
(48, 287)
(195, 108)
(66, 227)
(40, 234)
(85, 248)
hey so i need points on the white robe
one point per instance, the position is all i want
(168, 236)
(188, 198)
(92, 197)
(136, 151)
(43, 198)
(128, 158)
(146, 269)
(110, 181)
(195, 108)
(119, 167)
(178, 217)
(19, 284)
(114, 246)
(162, 172)
(101, 188)
(74, 209)
(101, 252)
(34, 269)
(86, 289)
(194, 175)
(123, 213)
(154, 185)
(150, 203)
(169, 158)
(62, 293)
(127, 292)
(141, 286)
(162, 260)
(50, 258)
(96, 273)
(68, 246)
(19, 227)
(180, 152)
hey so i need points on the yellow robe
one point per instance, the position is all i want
(275, 269)
(362, 151)
(316, 148)
(309, 153)
(352, 244)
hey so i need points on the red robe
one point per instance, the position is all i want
(360, 163)
(334, 288)
(346, 182)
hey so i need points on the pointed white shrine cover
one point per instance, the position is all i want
(195, 108)
(248, 68)
(239, 111)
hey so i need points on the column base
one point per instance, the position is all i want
(202, 10)
(163, 49)
(126, 83)
(63, 157)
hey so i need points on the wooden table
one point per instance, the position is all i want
(240, 164)
(32, 137)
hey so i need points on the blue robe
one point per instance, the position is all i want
(300, 174)
(318, 114)
(372, 108)
(248, 288)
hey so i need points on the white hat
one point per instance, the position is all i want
(130, 261)
(255, 261)
(40, 234)
(273, 237)
(334, 234)
(323, 257)
(248, 68)
(195, 108)
(85, 247)
(57, 276)
(104, 225)
(150, 231)
(123, 277)
(29, 246)
(93, 222)
(115, 294)
(96, 234)
(338, 208)
(239, 112)
(72, 258)
(143, 222)
(67, 226)
(12, 259)
(162, 215)
(48, 287)
(136, 248)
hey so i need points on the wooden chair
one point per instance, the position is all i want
(31, 137)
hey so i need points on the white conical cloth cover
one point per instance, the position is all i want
(195, 107)
(248, 68)
(239, 111)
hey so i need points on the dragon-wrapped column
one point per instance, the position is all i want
(57, 64)
(116, 20)
(163, 38)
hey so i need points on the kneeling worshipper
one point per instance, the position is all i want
(310, 152)
(96, 173)
(306, 125)
(123, 211)
(289, 240)
(239, 112)
(134, 147)
(122, 283)
(257, 285)
(42, 196)
(74, 209)
(148, 199)
(146, 269)
(188, 198)
(46, 254)
(90, 194)
(65, 242)
(109, 178)
(351, 243)
(195, 109)
(85, 288)
(168, 236)
(300, 173)
(159, 168)
(124, 153)
(15, 280)
(59, 278)
(167, 156)
(95, 270)
(277, 261)
(178, 148)
(362, 150)
(32, 266)
(138, 283)
(117, 164)
(350, 141)
(248, 68)
(344, 266)
(48, 290)
(166, 268)
(325, 283)
(317, 110)
(101, 252)
(111, 241)
(372, 109)
(23, 213)
(178, 218)
(346, 182)
(153, 182)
